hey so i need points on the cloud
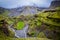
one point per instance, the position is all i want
(19, 3)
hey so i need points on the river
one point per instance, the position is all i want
(20, 33)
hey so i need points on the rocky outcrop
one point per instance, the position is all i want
(55, 3)
(25, 10)
(1, 10)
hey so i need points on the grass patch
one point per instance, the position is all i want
(20, 25)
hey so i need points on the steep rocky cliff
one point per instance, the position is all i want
(55, 3)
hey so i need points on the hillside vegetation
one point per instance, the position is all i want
(44, 25)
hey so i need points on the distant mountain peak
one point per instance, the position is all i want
(25, 10)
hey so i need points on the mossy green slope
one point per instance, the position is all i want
(20, 25)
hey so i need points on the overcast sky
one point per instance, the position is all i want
(19, 3)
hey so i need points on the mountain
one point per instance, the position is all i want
(25, 10)
(2, 10)
(55, 3)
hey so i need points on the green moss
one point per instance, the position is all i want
(32, 38)
(3, 36)
(20, 25)
(32, 33)
(10, 20)
(52, 20)
(55, 15)
(41, 35)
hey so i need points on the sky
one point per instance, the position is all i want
(20, 3)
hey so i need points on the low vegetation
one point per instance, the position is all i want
(43, 26)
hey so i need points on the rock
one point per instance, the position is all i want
(55, 4)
